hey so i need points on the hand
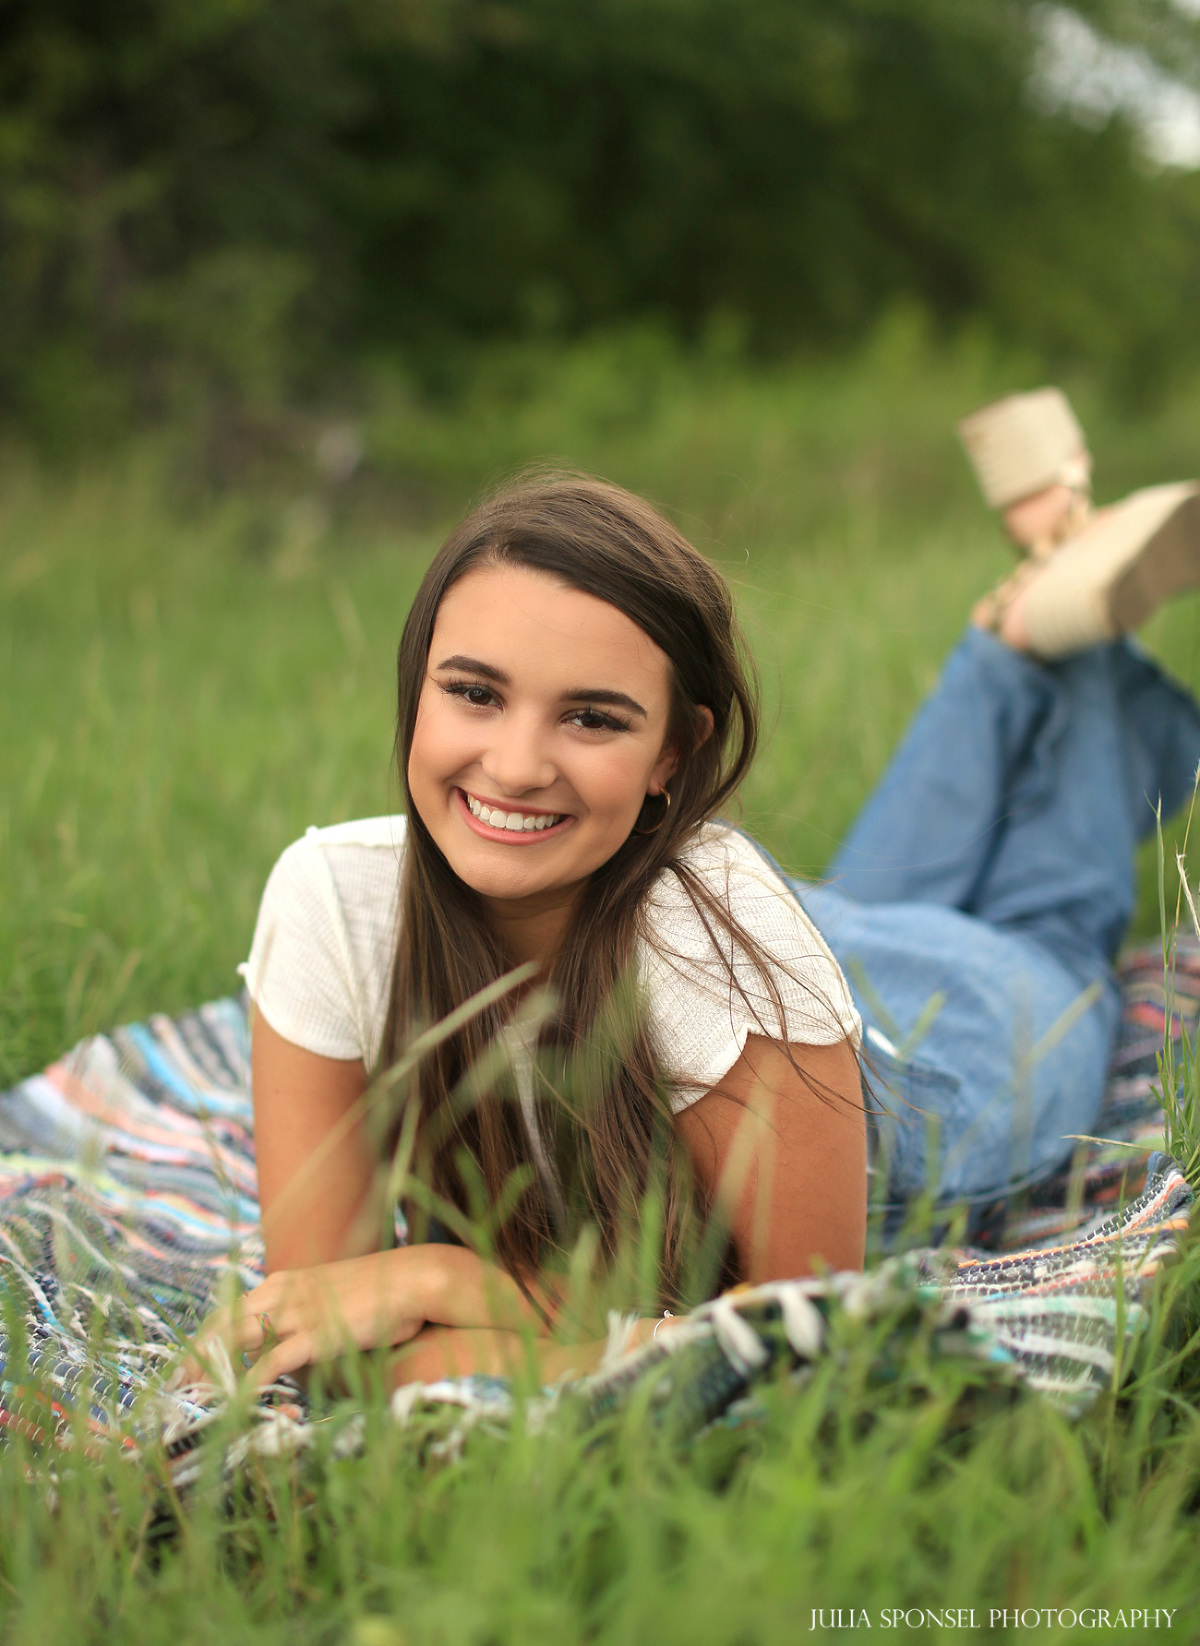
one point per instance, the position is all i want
(300, 1316)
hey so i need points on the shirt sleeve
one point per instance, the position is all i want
(301, 973)
(706, 995)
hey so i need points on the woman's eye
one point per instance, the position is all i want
(592, 720)
(479, 697)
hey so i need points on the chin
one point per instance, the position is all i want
(497, 881)
(514, 874)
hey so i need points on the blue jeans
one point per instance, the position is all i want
(978, 903)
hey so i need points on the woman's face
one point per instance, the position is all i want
(540, 730)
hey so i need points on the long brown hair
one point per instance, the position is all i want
(607, 1150)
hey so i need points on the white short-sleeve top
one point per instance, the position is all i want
(321, 961)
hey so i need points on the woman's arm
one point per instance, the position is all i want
(316, 1173)
(787, 1165)
(441, 1351)
(784, 1160)
(329, 1284)
(322, 1190)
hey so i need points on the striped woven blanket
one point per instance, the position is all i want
(127, 1197)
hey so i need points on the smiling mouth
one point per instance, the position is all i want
(512, 822)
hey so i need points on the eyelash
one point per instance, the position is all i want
(607, 722)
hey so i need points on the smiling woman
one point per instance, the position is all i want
(573, 711)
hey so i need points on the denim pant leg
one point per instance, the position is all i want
(930, 826)
(993, 867)
(1119, 741)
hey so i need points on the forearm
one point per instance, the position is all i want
(465, 1291)
(447, 1351)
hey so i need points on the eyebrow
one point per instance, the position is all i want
(601, 694)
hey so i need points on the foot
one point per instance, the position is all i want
(1039, 523)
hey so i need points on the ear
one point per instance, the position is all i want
(669, 759)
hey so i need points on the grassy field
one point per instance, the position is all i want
(191, 676)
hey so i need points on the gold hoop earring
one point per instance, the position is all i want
(664, 795)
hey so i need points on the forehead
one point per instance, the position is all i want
(534, 627)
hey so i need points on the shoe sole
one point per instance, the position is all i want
(1168, 564)
(1117, 571)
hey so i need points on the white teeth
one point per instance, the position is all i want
(513, 822)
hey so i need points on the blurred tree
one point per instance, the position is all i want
(233, 199)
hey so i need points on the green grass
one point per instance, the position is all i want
(190, 678)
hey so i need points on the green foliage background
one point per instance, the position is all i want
(233, 205)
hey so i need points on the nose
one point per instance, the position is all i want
(518, 757)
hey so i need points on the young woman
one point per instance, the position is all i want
(574, 712)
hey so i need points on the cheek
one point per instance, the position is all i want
(616, 781)
(435, 749)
